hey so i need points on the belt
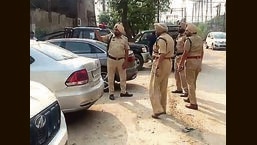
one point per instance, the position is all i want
(193, 57)
(115, 58)
(164, 57)
(179, 53)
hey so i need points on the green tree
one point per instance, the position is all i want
(104, 17)
(136, 15)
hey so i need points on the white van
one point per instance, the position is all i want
(47, 122)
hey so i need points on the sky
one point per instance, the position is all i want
(177, 11)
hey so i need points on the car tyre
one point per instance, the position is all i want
(104, 75)
(139, 62)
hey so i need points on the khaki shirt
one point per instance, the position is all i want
(180, 43)
(160, 46)
(197, 46)
(117, 45)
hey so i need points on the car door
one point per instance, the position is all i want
(80, 48)
(101, 54)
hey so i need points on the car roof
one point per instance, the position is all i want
(72, 39)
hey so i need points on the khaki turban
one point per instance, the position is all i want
(120, 27)
(183, 25)
(160, 27)
(191, 28)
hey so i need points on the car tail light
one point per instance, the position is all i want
(131, 58)
(77, 78)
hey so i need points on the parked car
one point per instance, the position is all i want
(142, 37)
(141, 51)
(47, 122)
(142, 54)
(96, 49)
(215, 40)
(76, 81)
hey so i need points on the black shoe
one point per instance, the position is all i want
(177, 91)
(126, 95)
(111, 97)
(184, 95)
(187, 100)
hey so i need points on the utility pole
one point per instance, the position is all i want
(103, 4)
(202, 10)
(193, 12)
(158, 11)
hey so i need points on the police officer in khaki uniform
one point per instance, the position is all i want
(117, 58)
(180, 75)
(163, 50)
(192, 57)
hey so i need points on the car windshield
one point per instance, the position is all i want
(55, 52)
(220, 36)
(137, 37)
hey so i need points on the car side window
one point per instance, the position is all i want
(145, 36)
(31, 60)
(57, 43)
(78, 47)
(95, 49)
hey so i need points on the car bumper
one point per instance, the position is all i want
(146, 56)
(61, 138)
(131, 73)
(79, 97)
(217, 46)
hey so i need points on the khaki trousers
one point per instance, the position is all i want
(180, 77)
(112, 67)
(158, 86)
(193, 67)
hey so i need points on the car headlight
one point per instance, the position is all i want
(144, 49)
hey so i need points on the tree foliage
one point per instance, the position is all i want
(135, 15)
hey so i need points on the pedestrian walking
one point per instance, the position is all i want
(192, 60)
(117, 53)
(163, 51)
(180, 75)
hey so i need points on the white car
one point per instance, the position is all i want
(47, 122)
(216, 40)
(76, 81)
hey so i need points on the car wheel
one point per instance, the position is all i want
(105, 78)
(139, 62)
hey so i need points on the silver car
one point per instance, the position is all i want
(96, 49)
(76, 81)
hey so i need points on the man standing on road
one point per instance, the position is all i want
(117, 58)
(163, 50)
(180, 76)
(193, 54)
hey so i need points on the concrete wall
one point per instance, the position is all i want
(86, 12)
(49, 22)
(52, 21)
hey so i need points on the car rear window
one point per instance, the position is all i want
(55, 52)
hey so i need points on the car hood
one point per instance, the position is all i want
(136, 44)
(40, 98)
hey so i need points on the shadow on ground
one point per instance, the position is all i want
(87, 122)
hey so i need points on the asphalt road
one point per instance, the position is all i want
(127, 121)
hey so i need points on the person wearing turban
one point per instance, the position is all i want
(117, 53)
(192, 61)
(163, 51)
